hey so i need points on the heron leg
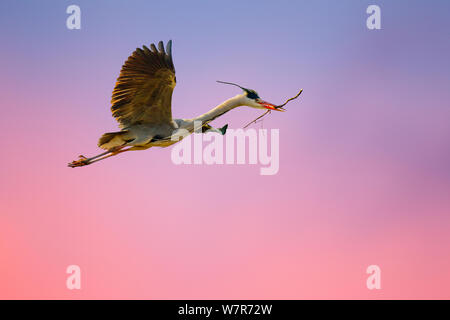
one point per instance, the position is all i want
(111, 153)
(83, 161)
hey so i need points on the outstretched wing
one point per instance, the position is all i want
(143, 91)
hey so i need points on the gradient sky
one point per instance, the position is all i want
(364, 153)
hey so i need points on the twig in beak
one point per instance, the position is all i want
(290, 99)
(277, 107)
(254, 121)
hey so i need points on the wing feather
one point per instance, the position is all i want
(143, 91)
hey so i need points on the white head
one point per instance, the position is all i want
(251, 98)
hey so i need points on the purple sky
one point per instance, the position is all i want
(364, 153)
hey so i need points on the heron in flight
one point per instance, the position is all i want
(142, 104)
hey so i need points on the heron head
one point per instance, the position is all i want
(251, 98)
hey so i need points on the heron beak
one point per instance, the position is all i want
(270, 106)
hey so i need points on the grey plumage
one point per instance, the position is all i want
(142, 104)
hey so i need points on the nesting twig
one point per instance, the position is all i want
(254, 121)
(277, 107)
(290, 99)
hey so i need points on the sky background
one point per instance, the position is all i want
(364, 153)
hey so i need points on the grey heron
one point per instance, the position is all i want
(141, 103)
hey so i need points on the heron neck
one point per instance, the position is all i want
(222, 108)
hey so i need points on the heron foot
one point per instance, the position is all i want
(82, 161)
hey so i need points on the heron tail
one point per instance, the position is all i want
(110, 140)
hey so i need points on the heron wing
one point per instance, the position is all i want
(143, 91)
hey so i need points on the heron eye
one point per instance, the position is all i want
(251, 94)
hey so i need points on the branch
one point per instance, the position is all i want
(290, 99)
(277, 107)
(254, 121)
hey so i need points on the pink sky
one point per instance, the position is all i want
(364, 158)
